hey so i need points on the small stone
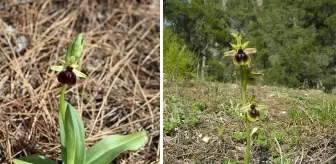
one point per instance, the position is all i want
(240, 149)
(206, 139)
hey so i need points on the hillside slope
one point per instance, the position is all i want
(202, 124)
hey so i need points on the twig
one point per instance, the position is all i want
(16, 4)
(329, 159)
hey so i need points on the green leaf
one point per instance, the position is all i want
(254, 130)
(245, 45)
(111, 146)
(57, 68)
(256, 74)
(75, 137)
(79, 73)
(34, 159)
(62, 134)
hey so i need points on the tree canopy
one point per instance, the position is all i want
(295, 39)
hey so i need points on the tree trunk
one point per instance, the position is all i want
(203, 66)
(198, 68)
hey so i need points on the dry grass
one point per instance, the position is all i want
(121, 58)
(307, 138)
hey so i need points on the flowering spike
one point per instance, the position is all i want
(68, 71)
(74, 50)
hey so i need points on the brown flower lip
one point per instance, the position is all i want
(67, 76)
(254, 113)
(240, 56)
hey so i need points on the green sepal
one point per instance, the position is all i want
(245, 45)
(238, 38)
(236, 47)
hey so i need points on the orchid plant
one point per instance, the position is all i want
(71, 126)
(242, 59)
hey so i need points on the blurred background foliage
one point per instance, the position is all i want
(295, 40)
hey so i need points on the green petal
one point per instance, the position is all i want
(79, 73)
(230, 53)
(57, 68)
(245, 45)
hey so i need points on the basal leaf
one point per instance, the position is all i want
(62, 134)
(34, 159)
(111, 146)
(75, 140)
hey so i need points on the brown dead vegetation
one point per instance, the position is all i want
(121, 59)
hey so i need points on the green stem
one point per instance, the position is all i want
(62, 102)
(243, 83)
(248, 141)
(243, 80)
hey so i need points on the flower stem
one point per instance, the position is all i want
(243, 83)
(243, 80)
(62, 102)
(248, 141)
